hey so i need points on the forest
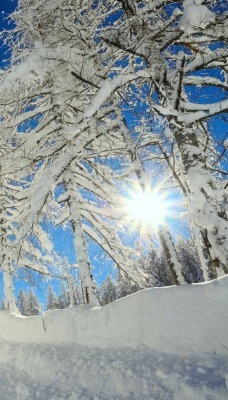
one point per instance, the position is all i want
(114, 127)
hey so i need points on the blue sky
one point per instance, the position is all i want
(6, 7)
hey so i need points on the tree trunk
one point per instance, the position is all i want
(171, 255)
(69, 281)
(201, 249)
(10, 303)
(88, 284)
(203, 201)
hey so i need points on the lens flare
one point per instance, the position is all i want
(146, 208)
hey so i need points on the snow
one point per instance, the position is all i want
(211, 110)
(160, 343)
(52, 4)
(108, 87)
(195, 16)
(101, 374)
(32, 68)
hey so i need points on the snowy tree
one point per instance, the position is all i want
(27, 303)
(171, 71)
(5, 243)
(154, 263)
(33, 304)
(34, 251)
(125, 286)
(88, 286)
(46, 146)
(156, 267)
(190, 260)
(107, 291)
(99, 217)
(142, 178)
(63, 299)
(51, 300)
(22, 302)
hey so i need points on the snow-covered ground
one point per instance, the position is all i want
(160, 343)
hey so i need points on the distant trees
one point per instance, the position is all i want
(93, 85)
(61, 301)
(107, 291)
(157, 268)
(52, 302)
(153, 265)
(27, 303)
(190, 260)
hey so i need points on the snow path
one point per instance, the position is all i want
(160, 343)
(30, 372)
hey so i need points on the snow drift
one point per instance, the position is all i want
(160, 343)
(183, 320)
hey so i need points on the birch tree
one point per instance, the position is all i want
(56, 116)
(174, 46)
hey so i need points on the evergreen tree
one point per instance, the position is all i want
(27, 303)
(125, 286)
(107, 291)
(63, 299)
(78, 297)
(22, 303)
(52, 301)
(157, 267)
(190, 260)
(33, 304)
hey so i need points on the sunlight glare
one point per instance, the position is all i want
(147, 208)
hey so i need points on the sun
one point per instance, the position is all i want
(147, 208)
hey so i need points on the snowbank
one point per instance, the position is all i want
(183, 320)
